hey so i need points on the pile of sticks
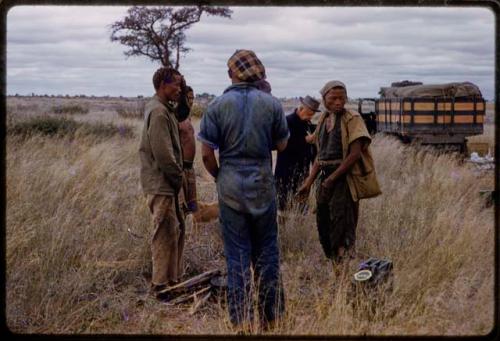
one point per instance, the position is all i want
(197, 290)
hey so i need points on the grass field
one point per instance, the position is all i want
(73, 267)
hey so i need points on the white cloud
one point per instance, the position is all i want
(66, 49)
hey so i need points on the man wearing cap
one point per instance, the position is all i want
(245, 125)
(161, 178)
(346, 170)
(292, 165)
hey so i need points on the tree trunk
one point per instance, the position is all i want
(178, 56)
(166, 59)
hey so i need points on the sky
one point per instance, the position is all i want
(67, 49)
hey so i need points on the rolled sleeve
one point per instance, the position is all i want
(357, 129)
(209, 131)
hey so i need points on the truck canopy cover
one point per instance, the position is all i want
(465, 89)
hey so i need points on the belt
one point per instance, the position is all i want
(328, 166)
(329, 163)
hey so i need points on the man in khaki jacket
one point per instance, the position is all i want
(161, 178)
(346, 170)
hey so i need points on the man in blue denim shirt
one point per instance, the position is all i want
(245, 125)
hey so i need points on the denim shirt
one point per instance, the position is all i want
(245, 124)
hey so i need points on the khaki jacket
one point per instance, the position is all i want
(361, 178)
(160, 150)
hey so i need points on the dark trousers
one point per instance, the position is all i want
(252, 241)
(336, 215)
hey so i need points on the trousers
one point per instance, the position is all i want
(336, 215)
(167, 239)
(251, 243)
(189, 189)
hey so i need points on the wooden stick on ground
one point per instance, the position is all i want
(191, 283)
(187, 297)
(198, 303)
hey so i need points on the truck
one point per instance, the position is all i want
(436, 114)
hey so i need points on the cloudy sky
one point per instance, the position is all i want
(67, 49)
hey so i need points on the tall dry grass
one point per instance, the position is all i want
(432, 223)
(73, 266)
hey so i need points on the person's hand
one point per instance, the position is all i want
(328, 183)
(309, 138)
(325, 190)
(303, 191)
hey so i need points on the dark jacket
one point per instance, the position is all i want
(293, 163)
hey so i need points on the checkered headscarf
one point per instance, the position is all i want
(245, 65)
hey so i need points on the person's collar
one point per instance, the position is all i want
(170, 105)
(297, 116)
(328, 112)
(240, 85)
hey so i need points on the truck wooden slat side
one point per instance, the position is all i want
(431, 120)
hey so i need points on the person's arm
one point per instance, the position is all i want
(186, 134)
(209, 136)
(281, 146)
(209, 160)
(306, 185)
(280, 132)
(353, 156)
(311, 135)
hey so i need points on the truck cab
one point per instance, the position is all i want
(366, 107)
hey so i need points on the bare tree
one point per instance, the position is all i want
(158, 32)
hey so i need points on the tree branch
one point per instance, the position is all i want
(137, 30)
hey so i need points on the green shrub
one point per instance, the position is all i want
(61, 126)
(71, 109)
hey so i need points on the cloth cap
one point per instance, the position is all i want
(330, 85)
(245, 65)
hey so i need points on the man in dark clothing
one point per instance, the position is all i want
(292, 165)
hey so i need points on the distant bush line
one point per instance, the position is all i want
(66, 127)
(136, 110)
(71, 109)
